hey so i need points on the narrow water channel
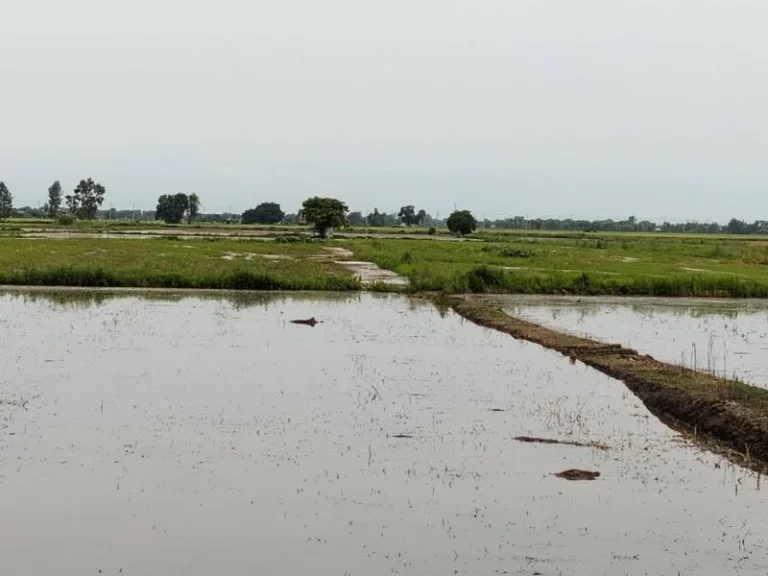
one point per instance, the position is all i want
(728, 337)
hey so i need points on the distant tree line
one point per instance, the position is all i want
(631, 224)
(83, 203)
(272, 213)
(86, 200)
(407, 216)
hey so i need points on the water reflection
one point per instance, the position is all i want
(67, 298)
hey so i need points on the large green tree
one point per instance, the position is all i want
(194, 208)
(737, 227)
(6, 202)
(54, 199)
(324, 214)
(264, 213)
(461, 222)
(86, 199)
(171, 208)
(407, 215)
(410, 217)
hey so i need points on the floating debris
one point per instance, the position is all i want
(531, 440)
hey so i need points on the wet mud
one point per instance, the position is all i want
(578, 475)
(307, 322)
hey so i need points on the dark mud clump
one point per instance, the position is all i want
(575, 475)
(530, 440)
(306, 322)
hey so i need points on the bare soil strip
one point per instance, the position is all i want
(732, 414)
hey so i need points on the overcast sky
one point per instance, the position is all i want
(589, 108)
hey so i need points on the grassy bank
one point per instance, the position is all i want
(170, 263)
(731, 413)
(655, 265)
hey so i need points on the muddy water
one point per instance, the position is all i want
(728, 337)
(202, 436)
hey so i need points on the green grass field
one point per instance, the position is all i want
(170, 263)
(654, 265)
(619, 264)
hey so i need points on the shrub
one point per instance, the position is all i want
(483, 278)
(509, 252)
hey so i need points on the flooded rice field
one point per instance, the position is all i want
(201, 436)
(728, 337)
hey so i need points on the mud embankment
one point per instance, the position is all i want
(732, 414)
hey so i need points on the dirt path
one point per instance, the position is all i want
(730, 413)
(368, 272)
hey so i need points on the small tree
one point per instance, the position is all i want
(324, 214)
(461, 223)
(264, 213)
(194, 208)
(54, 199)
(171, 208)
(6, 202)
(85, 201)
